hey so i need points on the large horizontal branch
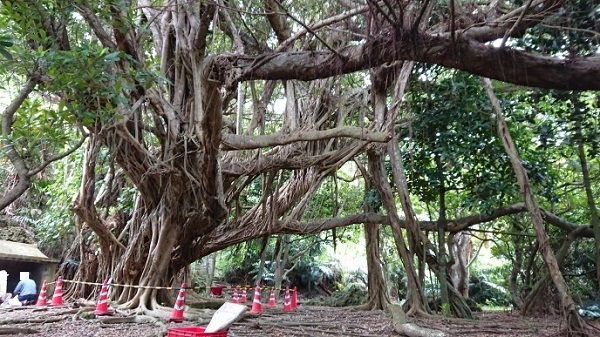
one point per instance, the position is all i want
(223, 237)
(281, 157)
(245, 142)
(483, 59)
(459, 224)
(260, 164)
(454, 225)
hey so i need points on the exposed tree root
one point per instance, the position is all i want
(311, 328)
(401, 325)
(80, 313)
(9, 309)
(578, 327)
(76, 311)
(130, 319)
(17, 331)
(136, 319)
(164, 313)
(203, 303)
(413, 330)
(364, 307)
(31, 320)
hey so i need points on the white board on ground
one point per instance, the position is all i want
(223, 318)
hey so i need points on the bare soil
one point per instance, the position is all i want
(273, 322)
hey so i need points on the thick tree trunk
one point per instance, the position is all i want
(382, 79)
(576, 326)
(461, 251)
(378, 296)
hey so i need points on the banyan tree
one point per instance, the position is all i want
(193, 102)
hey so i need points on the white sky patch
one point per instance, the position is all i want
(279, 106)
(351, 256)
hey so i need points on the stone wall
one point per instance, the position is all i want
(12, 230)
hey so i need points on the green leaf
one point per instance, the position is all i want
(112, 57)
(6, 54)
(5, 42)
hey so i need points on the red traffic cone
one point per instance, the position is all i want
(244, 298)
(235, 298)
(102, 306)
(256, 305)
(57, 296)
(287, 305)
(177, 313)
(43, 298)
(272, 298)
(294, 302)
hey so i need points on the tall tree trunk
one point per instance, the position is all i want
(385, 119)
(575, 325)
(416, 297)
(587, 185)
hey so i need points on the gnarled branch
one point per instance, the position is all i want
(245, 142)
(507, 65)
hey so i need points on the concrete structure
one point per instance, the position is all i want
(17, 258)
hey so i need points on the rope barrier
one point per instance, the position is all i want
(227, 287)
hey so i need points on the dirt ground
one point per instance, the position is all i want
(273, 322)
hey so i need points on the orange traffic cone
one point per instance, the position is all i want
(287, 305)
(177, 313)
(256, 305)
(272, 298)
(295, 299)
(102, 306)
(57, 296)
(244, 298)
(43, 298)
(235, 298)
